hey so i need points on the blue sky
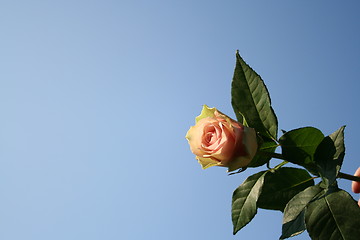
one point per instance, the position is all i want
(96, 98)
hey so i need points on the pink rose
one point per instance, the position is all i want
(218, 140)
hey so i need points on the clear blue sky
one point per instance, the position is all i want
(96, 98)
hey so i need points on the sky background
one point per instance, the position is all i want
(96, 98)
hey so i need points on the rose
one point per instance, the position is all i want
(218, 140)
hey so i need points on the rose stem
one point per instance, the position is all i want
(348, 177)
(340, 174)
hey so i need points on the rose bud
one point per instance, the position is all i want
(218, 140)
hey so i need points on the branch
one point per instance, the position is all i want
(348, 177)
(340, 174)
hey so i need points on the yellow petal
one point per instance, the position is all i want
(207, 162)
(194, 137)
(205, 112)
(238, 162)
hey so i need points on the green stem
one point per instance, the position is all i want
(348, 177)
(280, 156)
(280, 165)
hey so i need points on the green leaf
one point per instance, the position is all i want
(336, 216)
(244, 200)
(281, 186)
(299, 146)
(329, 156)
(295, 227)
(250, 100)
(294, 212)
(338, 138)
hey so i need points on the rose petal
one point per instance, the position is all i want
(207, 162)
(238, 162)
(206, 112)
(194, 137)
(250, 141)
(226, 147)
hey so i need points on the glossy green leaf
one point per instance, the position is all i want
(250, 100)
(295, 227)
(244, 200)
(329, 156)
(336, 216)
(294, 212)
(338, 138)
(299, 145)
(282, 185)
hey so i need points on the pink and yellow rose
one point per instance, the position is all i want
(218, 140)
